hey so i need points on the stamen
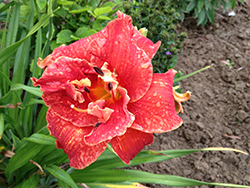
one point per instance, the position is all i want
(78, 109)
(110, 86)
(104, 97)
(86, 89)
(113, 95)
(97, 125)
(98, 71)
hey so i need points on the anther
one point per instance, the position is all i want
(97, 125)
(99, 71)
(86, 89)
(110, 86)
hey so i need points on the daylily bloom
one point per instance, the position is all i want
(101, 89)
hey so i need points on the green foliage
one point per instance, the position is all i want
(78, 19)
(203, 10)
(160, 18)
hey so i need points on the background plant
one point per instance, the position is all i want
(160, 18)
(29, 157)
(203, 10)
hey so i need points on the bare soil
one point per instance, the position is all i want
(218, 113)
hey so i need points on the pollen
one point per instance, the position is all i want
(99, 71)
(86, 89)
(97, 125)
(110, 86)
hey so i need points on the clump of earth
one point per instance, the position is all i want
(218, 113)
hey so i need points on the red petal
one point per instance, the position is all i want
(61, 105)
(117, 124)
(131, 143)
(95, 108)
(129, 60)
(87, 48)
(155, 112)
(123, 48)
(71, 140)
(60, 72)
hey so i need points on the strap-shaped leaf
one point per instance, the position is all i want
(22, 156)
(32, 90)
(149, 157)
(1, 125)
(118, 176)
(31, 182)
(62, 175)
(41, 139)
(10, 50)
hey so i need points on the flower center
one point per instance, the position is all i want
(104, 87)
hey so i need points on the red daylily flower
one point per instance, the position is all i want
(102, 89)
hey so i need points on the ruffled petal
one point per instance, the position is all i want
(121, 46)
(121, 52)
(180, 97)
(95, 108)
(155, 112)
(64, 69)
(117, 124)
(87, 48)
(62, 107)
(131, 143)
(71, 140)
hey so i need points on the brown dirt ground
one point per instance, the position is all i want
(218, 113)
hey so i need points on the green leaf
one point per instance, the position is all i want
(103, 18)
(200, 5)
(6, 53)
(65, 2)
(32, 102)
(16, 140)
(15, 124)
(41, 139)
(191, 6)
(33, 90)
(62, 175)
(22, 157)
(84, 9)
(207, 5)
(83, 32)
(233, 4)
(97, 25)
(201, 16)
(210, 15)
(191, 74)
(64, 36)
(118, 176)
(1, 125)
(109, 4)
(5, 7)
(41, 4)
(102, 10)
(40, 123)
(63, 184)
(31, 182)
